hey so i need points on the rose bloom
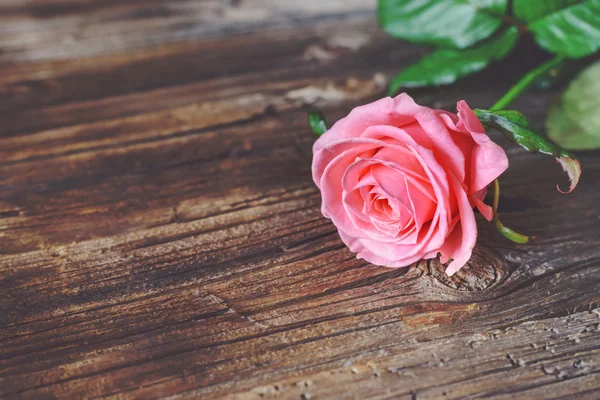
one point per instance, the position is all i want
(400, 181)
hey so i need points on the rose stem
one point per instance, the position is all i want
(501, 104)
(524, 83)
(506, 232)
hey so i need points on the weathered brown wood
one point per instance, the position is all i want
(160, 234)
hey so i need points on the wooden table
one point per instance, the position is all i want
(161, 234)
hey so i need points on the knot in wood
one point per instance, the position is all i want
(484, 270)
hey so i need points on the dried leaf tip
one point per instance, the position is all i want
(573, 168)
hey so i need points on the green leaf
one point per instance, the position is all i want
(530, 10)
(447, 23)
(317, 123)
(572, 32)
(516, 128)
(574, 121)
(445, 66)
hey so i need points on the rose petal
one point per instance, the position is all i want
(460, 242)
(362, 252)
(330, 181)
(434, 128)
(399, 112)
(380, 112)
(323, 157)
(483, 208)
(488, 160)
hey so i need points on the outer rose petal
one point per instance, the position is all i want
(488, 160)
(380, 112)
(483, 208)
(461, 241)
(356, 246)
(324, 156)
(436, 131)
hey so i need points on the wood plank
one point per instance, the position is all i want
(161, 234)
(58, 29)
(534, 359)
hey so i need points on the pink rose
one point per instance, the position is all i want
(400, 181)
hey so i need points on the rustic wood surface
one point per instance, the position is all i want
(160, 235)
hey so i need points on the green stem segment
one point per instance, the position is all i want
(506, 232)
(525, 82)
(501, 104)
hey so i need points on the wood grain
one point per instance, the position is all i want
(160, 234)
